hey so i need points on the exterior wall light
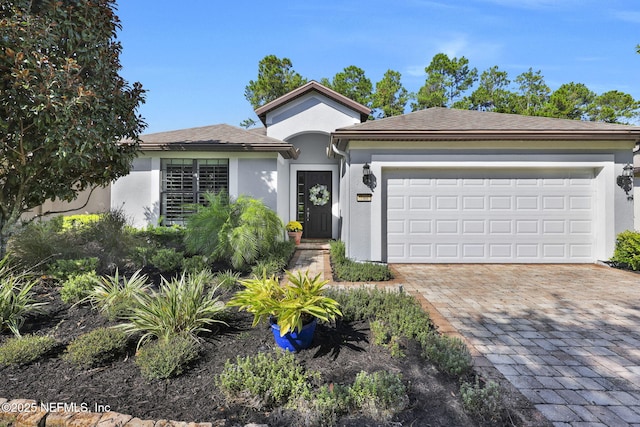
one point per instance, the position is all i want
(368, 178)
(625, 181)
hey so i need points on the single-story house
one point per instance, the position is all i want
(433, 186)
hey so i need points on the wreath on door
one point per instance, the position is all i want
(319, 195)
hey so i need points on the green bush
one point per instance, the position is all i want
(265, 381)
(227, 279)
(26, 349)
(167, 260)
(351, 271)
(627, 250)
(16, 299)
(79, 222)
(237, 231)
(161, 236)
(482, 401)
(38, 244)
(115, 297)
(195, 264)
(62, 269)
(449, 354)
(182, 305)
(77, 287)
(379, 395)
(96, 347)
(164, 359)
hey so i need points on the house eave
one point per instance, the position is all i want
(286, 151)
(341, 138)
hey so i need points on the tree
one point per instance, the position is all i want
(493, 92)
(275, 78)
(533, 93)
(64, 110)
(614, 107)
(352, 83)
(390, 97)
(569, 101)
(447, 79)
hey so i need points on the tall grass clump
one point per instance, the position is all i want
(182, 305)
(239, 231)
(114, 296)
(348, 270)
(16, 297)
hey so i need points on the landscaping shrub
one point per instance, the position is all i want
(449, 354)
(227, 279)
(62, 269)
(379, 395)
(163, 359)
(97, 347)
(16, 299)
(237, 231)
(38, 244)
(26, 349)
(79, 222)
(114, 297)
(482, 401)
(77, 287)
(265, 380)
(627, 250)
(352, 271)
(167, 260)
(161, 236)
(195, 264)
(181, 306)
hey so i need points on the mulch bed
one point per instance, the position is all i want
(339, 352)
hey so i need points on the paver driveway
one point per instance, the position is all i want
(567, 336)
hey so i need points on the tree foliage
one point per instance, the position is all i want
(276, 77)
(63, 107)
(447, 79)
(390, 97)
(352, 83)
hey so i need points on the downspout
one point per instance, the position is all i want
(344, 161)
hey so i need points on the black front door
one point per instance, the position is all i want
(314, 203)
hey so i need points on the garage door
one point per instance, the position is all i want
(483, 216)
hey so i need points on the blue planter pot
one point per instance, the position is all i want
(297, 340)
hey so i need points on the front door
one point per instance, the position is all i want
(314, 203)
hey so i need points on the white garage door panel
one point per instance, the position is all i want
(490, 216)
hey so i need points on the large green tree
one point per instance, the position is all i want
(276, 77)
(352, 83)
(569, 101)
(390, 97)
(447, 80)
(492, 93)
(532, 93)
(64, 109)
(614, 107)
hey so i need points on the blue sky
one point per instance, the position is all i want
(195, 57)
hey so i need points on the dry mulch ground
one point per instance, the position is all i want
(339, 352)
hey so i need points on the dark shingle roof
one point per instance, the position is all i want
(459, 125)
(220, 137)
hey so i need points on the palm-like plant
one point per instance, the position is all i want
(238, 231)
(180, 306)
(292, 305)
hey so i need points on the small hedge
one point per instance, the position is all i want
(96, 347)
(350, 271)
(163, 359)
(23, 350)
(627, 251)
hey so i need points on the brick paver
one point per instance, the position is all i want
(567, 336)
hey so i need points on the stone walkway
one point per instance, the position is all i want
(566, 336)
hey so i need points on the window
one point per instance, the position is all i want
(185, 181)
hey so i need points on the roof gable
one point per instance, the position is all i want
(312, 86)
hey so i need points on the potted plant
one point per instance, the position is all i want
(294, 229)
(292, 309)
